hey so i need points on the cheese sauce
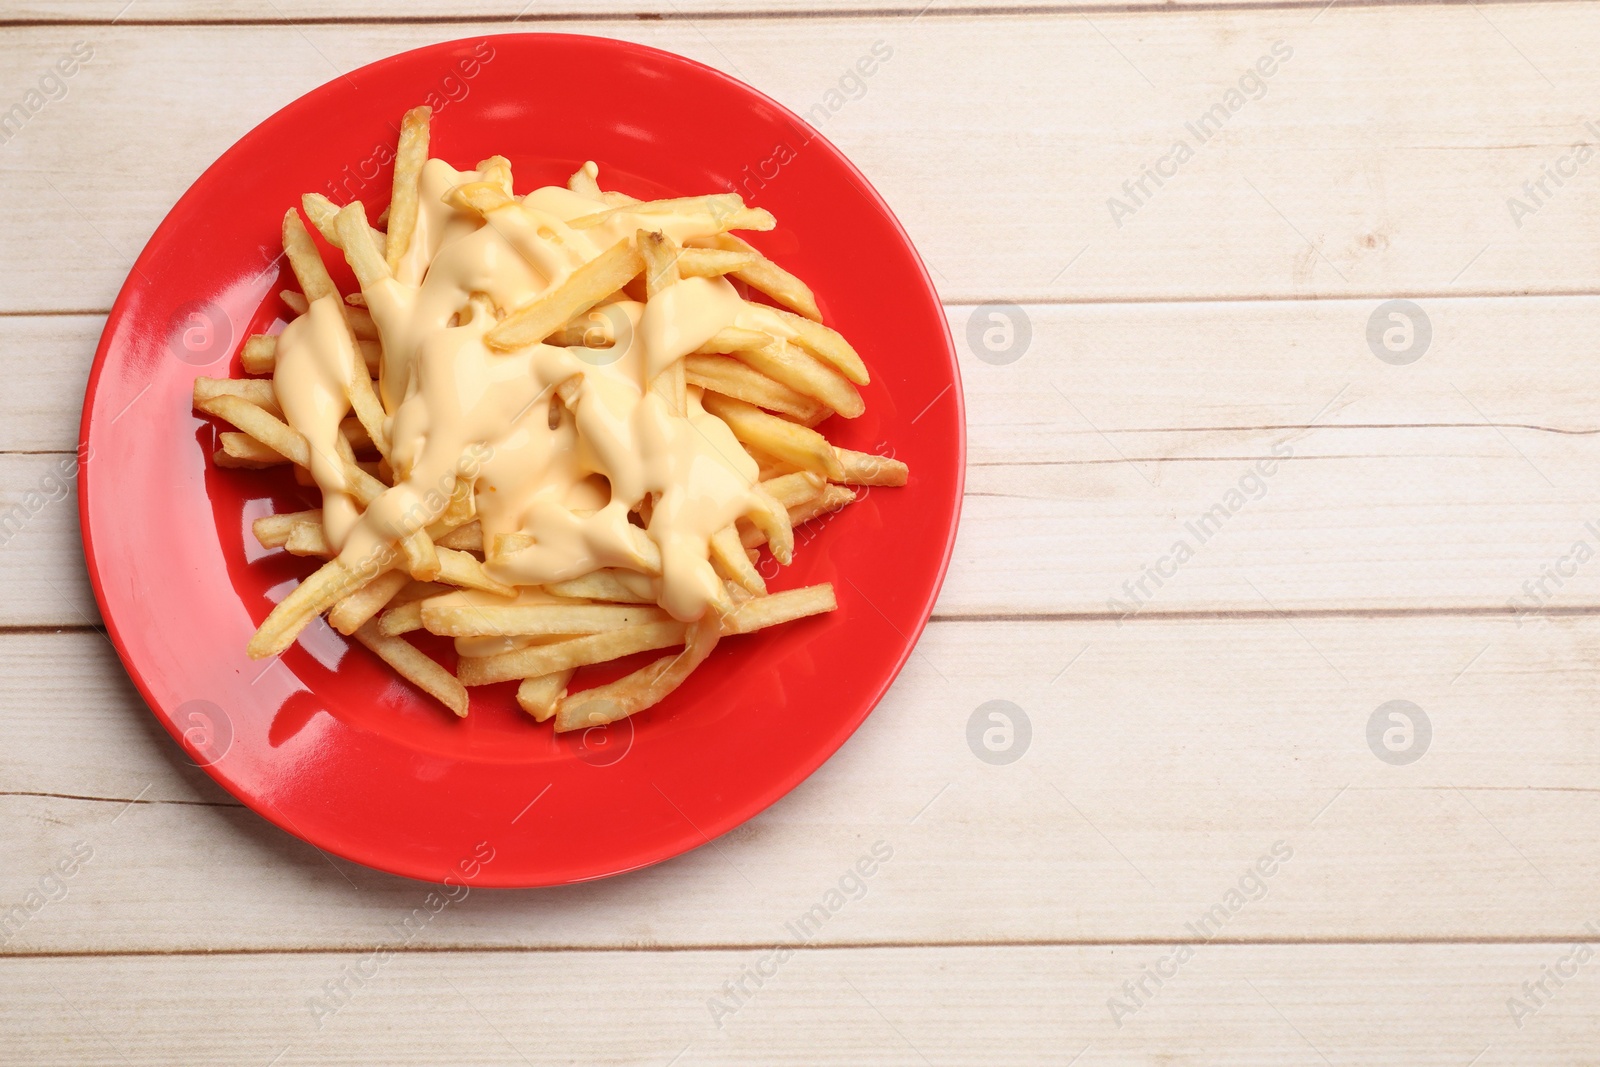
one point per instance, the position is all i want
(457, 409)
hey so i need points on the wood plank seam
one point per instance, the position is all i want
(816, 946)
(911, 12)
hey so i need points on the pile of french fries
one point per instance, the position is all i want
(771, 387)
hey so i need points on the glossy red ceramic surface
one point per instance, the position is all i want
(327, 742)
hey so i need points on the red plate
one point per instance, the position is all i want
(326, 742)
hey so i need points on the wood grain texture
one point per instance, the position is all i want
(1429, 1006)
(1166, 758)
(1412, 511)
(1335, 181)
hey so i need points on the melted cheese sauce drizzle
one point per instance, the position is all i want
(458, 409)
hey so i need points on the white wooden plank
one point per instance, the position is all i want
(1432, 1006)
(1334, 181)
(40, 543)
(46, 360)
(1448, 483)
(1165, 759)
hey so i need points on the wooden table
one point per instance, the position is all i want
(1218, 846)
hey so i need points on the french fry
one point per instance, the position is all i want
(507, 544)
(772, 519)
(295, 302)
(241, 451)
(737, 379)
(804, 373)
(767, 277)
(806, 449)
(497, 169)
(462, 507)
(731, 339)
(358, 387)
(713, 262)
(260, 354)
(771, 468)
(582, 290)
(404, 610)
(306, 261)
(330, 583)
(256, 390)
(660, 274)
(623, 587)
(539, 696)
(726, 209)
(590, 330)
(561, 655)
(366, 262)
(480, 197)
(660, 254)
(643, 688)
(353, 612)
(467, 538)
(368, 409)
(360, 320)
(569, 391)
(222, 459)
(307, 539)
(647, 554)
(458, 568)
(584, 182)
(532, 620)
(371, 351)
(791, 490)
(832, 498)
(401, 619)
(826, 344)
(414, 591)
(416, 667)
(272, 531)
(863, 468)
(746, 218)
(728, 557)
(409, 157)
(259, 424)
(355, 435)
(322, 212)
(761, 612)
